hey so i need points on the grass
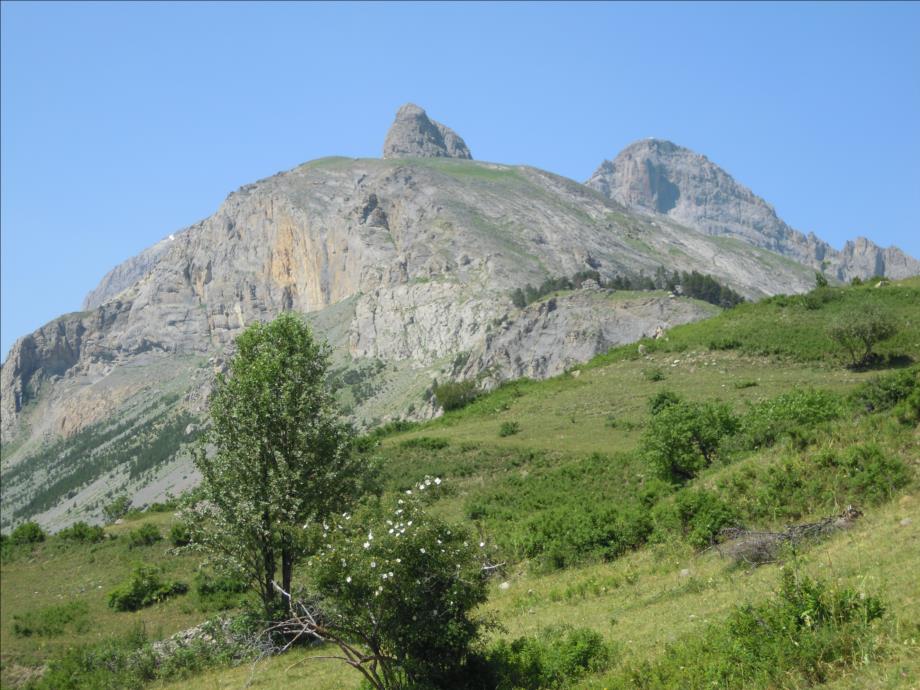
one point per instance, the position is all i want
(574, 446)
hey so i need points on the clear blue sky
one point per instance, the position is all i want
(124, 122)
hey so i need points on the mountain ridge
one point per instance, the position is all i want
(659, 176)
(406, 266)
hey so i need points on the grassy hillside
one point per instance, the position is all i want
(560, 477)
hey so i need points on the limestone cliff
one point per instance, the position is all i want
(655, 176)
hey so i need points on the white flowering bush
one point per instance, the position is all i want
(403, 591)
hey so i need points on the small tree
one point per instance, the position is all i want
(276, 458)
(117, 509)
(820, 280)
(397, 598)
(859, 333)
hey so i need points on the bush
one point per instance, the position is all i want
(454, 395)
(509, 429)
(220, 592)
(117, 509)
(661, 400)
(566, 536)
(684, 438)
(52, 620)
(145, 588)
(83, 533)
(552, 659)
(653, 374)
(908, 410)
(794, 639)
(407, 588)
(696, 515)
(805, 484)
(27, 533)
(885, 392)
(180, 535)
(767, 421)
(145, 535)
(425, 443)
(859, 333)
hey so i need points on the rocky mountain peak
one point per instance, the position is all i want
(658, 176)
(414, 135)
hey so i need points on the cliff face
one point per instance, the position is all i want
(655, 176)
(404, 264)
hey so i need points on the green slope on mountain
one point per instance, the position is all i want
(560, 478)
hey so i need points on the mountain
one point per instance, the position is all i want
(661, 178)
(406, 265)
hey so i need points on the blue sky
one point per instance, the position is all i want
(124, 122)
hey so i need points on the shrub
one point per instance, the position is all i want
(425, 443)
(180, 534)
(552, 659)
(661, 400)
(684, 438)
(27, 533)
(509, 429)
(117, 509)
(653, 374)
(805, 484)
(220, 592)
(765, 422)
(52, 620)
(145, 588)
(858, 334)
(83, 533)
(565, 536)
(407, 588)
(885, 392)
(908, 410)
(794, 639)
(145, 535)
(696, 515)
(454, 395)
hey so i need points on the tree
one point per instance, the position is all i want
(859, 333)
(276, 458)
(820, 280)
(397, 598)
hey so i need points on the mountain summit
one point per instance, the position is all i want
(414, 135)
(657, 176)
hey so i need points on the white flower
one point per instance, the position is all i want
(367, 545)
(399, 560)
(422, 550)
(390, 574)
(437, 480)
(373, 564)
(370, 536)
(408, 492)
(348, 579)
(390, 531)
(481, 544)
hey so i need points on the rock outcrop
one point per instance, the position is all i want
(655, 176)
(414, 135)
(404, 264)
